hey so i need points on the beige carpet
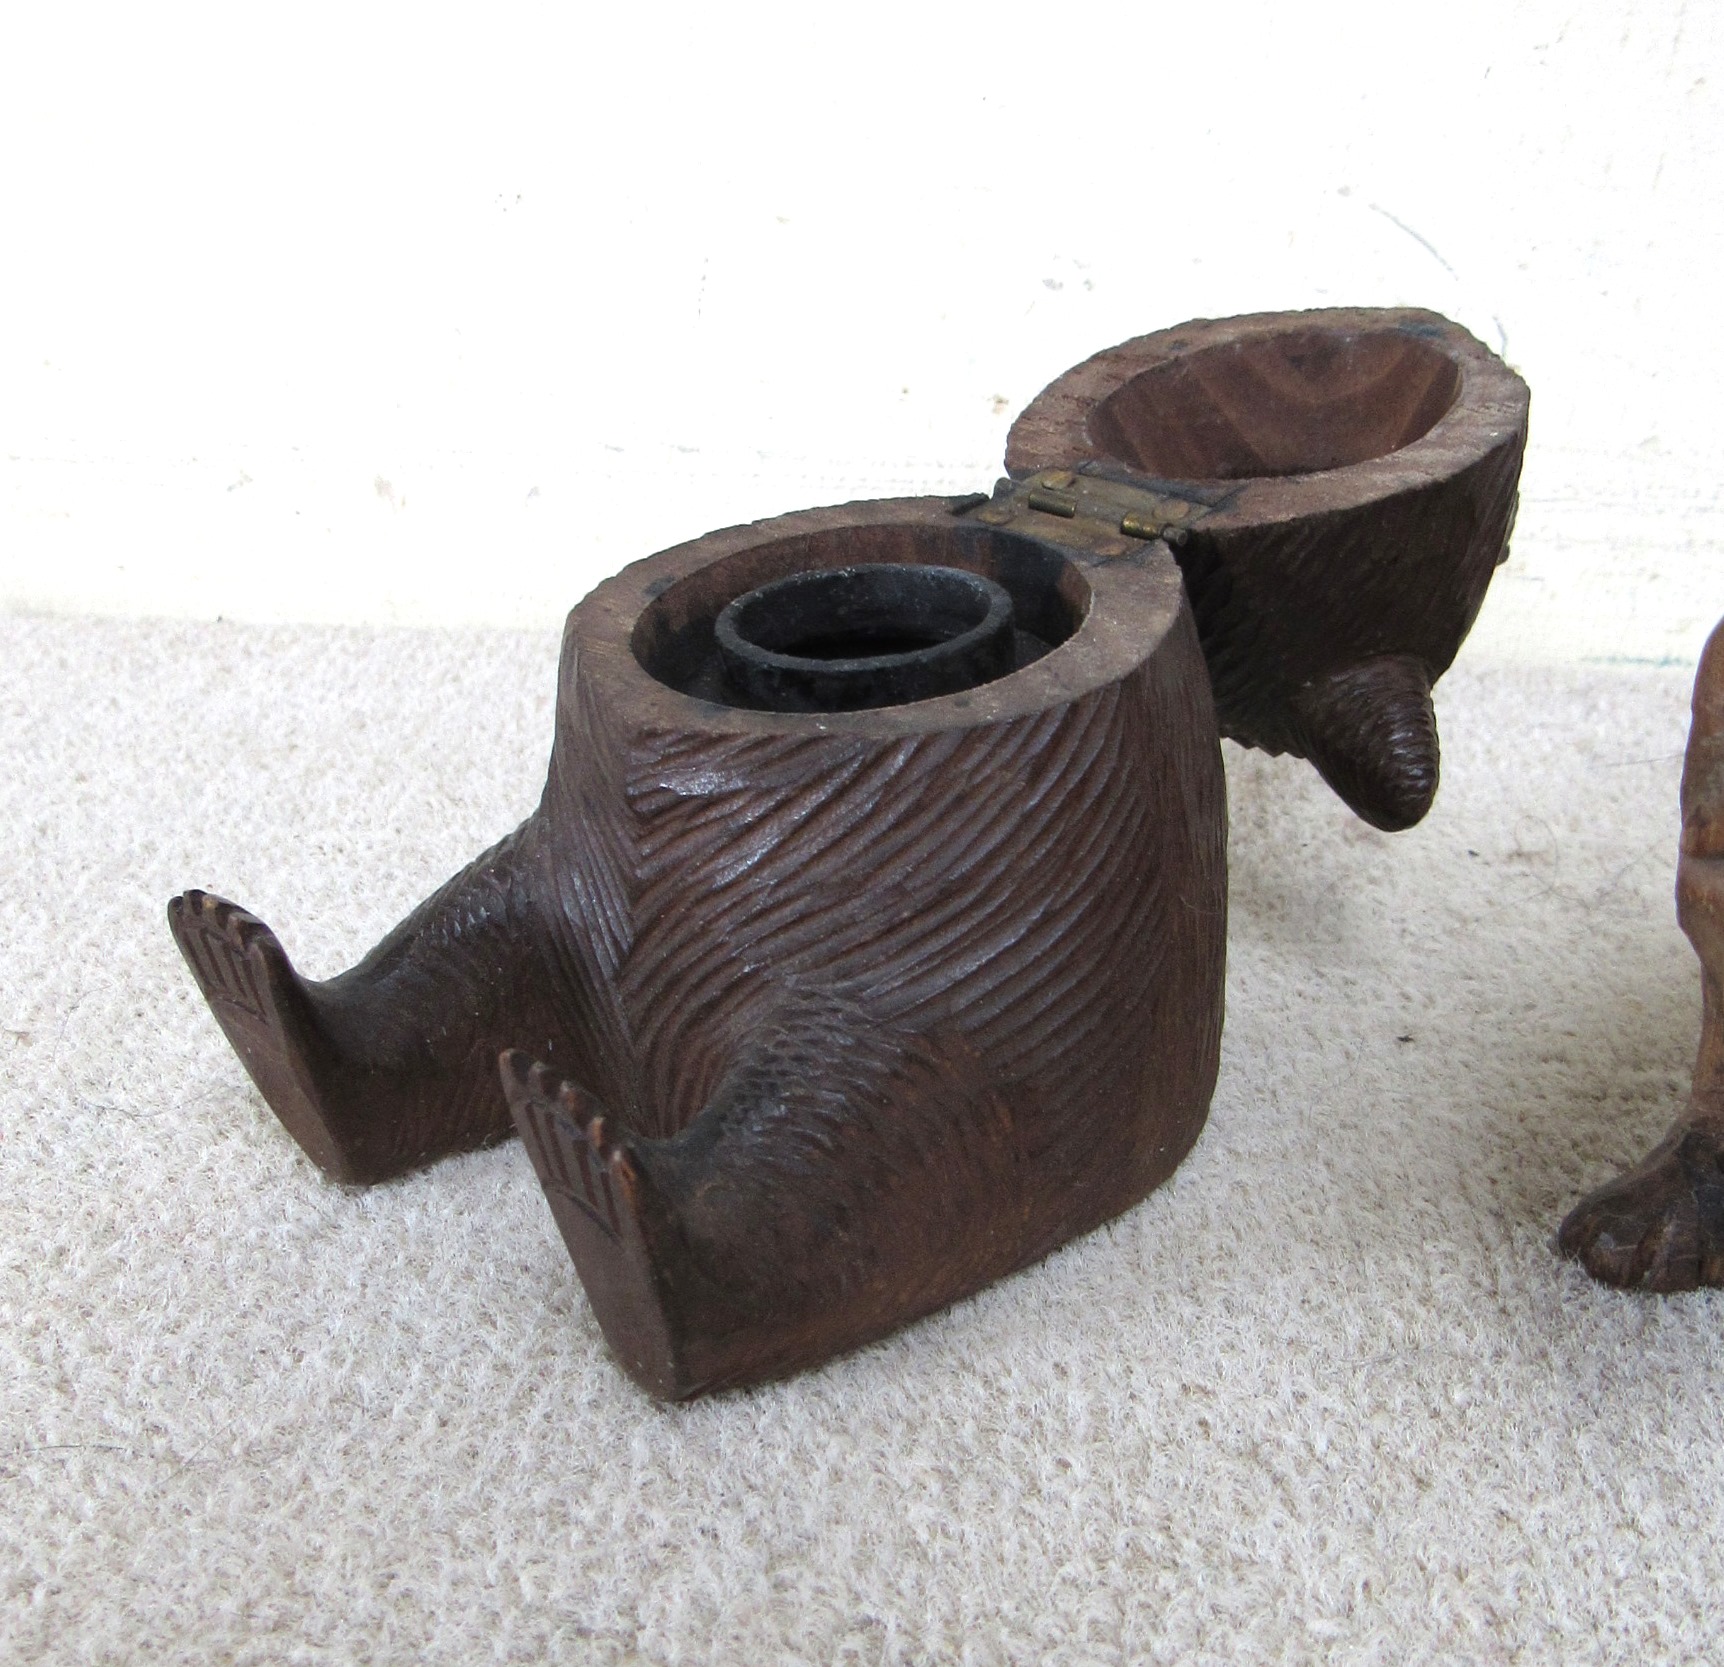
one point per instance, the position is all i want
(1328, 1396)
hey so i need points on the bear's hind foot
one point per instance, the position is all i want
(261, 1004)
(1661, 1223)
(601, 1202)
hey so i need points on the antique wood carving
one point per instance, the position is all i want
(868, 941)
(1351, 479)
(1662, 1223)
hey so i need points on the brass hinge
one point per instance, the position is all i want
(1106, 516)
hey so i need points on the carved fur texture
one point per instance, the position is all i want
(814, 1022)
(1662, 1223)
(811, 1026)
(1359, 468)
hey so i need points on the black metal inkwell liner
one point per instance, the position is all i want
(879, 634)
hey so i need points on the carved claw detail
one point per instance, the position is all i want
(570, 1141)
(1662, 1223)
(602, 1204)
(260, 1003)
(1372, 734)
(217, 939)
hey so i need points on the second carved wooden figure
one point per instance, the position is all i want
(868, 942)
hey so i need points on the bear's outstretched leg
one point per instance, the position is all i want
(843, 1180)
(1663, 1221)
(392, 1064)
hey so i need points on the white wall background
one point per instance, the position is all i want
(412, 315)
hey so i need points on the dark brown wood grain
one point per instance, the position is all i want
(1662, 1223)
(1362, 466)
(823, 1020)
(816, 1020)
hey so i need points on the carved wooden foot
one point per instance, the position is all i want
(265, 1011)
(391, 1065)
(609, 1213)
(844, 1179)
(1662, 1223)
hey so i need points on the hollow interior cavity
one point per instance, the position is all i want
(881, 610)
(881, 634)
(795, 603)
(1291, 403)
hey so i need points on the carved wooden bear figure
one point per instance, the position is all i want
(824, 1019)
(816, 1014)
(1663, 1221)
